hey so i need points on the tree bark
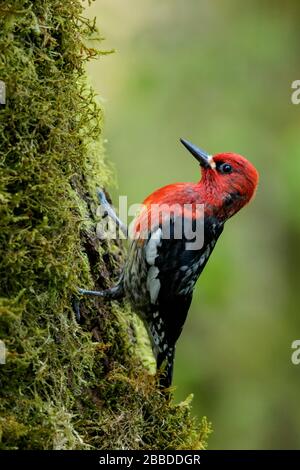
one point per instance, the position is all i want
(64, 384)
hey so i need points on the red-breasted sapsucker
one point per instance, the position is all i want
(174, 236)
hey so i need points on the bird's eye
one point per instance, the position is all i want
(225, 168)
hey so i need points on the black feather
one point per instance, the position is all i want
(179, 270)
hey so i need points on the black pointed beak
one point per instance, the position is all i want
(203, 158)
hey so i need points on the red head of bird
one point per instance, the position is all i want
(228, 181)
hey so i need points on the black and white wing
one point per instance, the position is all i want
(172, 273)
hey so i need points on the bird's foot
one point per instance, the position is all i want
(112, 293)
(111, 212)
(96, 293)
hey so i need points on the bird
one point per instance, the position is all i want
(173, 237)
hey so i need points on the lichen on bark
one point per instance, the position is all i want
(65, 385)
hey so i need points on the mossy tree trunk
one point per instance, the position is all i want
(64, 385)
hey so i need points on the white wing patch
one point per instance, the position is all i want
(153, 284)
(152, 245)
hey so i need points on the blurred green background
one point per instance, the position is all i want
(219, 73)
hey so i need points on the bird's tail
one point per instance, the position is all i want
(165, 363)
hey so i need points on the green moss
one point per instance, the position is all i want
(64, 385)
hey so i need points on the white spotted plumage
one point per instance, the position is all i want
(153, 284)
(152, 246)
